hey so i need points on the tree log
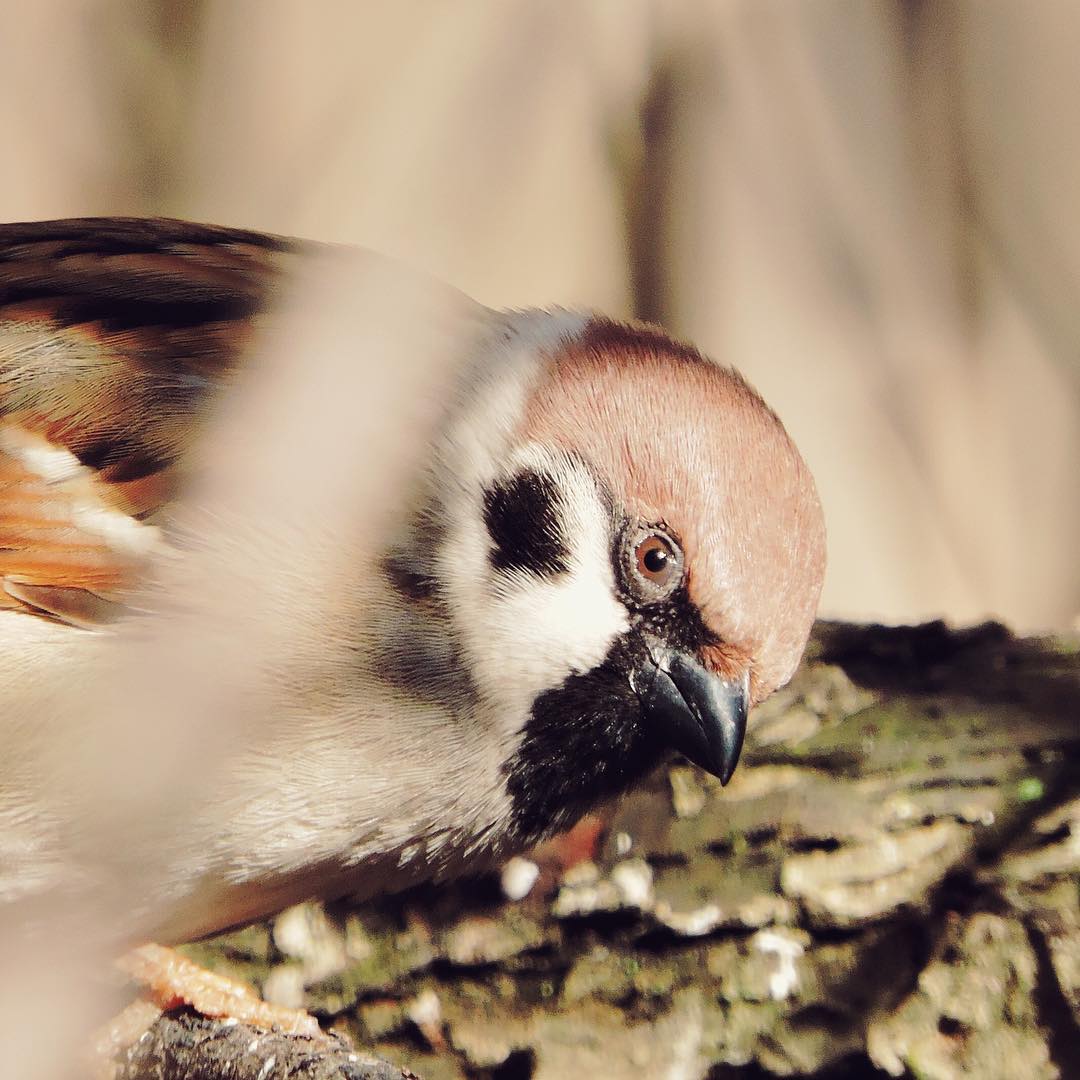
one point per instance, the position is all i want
(889, 886)
(185, 1046)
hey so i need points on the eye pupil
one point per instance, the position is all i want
(655, 560)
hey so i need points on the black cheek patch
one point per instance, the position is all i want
(521, 515)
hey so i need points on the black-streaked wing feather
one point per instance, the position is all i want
(114, 335)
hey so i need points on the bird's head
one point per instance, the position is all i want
(630, 551)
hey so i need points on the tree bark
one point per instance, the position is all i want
(888, 886)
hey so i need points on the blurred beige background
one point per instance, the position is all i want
(868, 206)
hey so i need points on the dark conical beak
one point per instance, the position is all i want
(696, 712)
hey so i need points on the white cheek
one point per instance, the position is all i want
(525, 634)
(542, 632)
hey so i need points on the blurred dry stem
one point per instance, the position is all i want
(308, 434)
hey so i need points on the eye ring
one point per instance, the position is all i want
(654, 564)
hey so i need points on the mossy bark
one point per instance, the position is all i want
(889, 886)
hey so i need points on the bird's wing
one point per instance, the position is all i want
(114, 335)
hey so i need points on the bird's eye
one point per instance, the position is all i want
(655, 564)
(654, 558)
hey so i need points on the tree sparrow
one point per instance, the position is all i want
(601, 547)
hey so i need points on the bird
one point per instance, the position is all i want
(604, 549)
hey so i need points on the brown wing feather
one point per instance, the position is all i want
(114, 335)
